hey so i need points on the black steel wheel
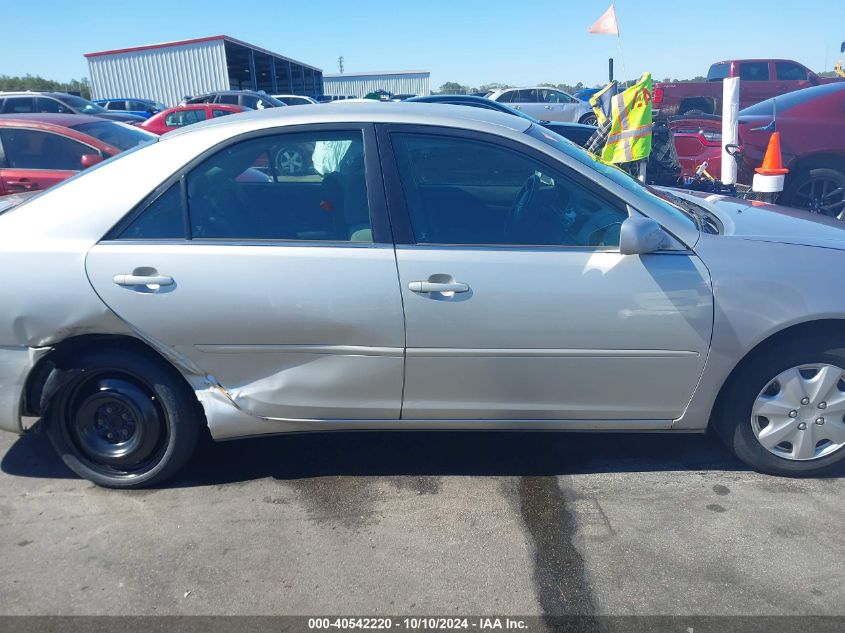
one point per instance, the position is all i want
(127, 420)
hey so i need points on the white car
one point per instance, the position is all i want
(295, 100)
(546, 104)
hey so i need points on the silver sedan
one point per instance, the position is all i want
(430, 267)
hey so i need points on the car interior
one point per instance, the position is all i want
(238, 194)
(466, 192)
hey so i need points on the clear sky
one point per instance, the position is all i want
(468, 41)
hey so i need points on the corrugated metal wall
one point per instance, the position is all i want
(163, 74)
(349, 84)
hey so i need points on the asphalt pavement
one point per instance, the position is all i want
(425, 523)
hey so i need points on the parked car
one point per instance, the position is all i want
(293, 100)
(39, 150)
(403, 97)
(143, 108)
(57, 103)
(585, 93)
(760, 79)
(246, 98)
(546, 104)
(811, 123)
(470, 270)
(575, 132)
(180, 116)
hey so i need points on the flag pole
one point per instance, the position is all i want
(621, 50)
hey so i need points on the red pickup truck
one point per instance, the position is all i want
(761, 79)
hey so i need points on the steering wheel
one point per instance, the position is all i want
(520, 216)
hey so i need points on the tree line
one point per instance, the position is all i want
(37, 83)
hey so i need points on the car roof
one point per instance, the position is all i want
(64, 120)
(34, 93)
(123, 99)
(444, 115)
(46, 123)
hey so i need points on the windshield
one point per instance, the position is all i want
(618, 176)
(791, 100)
(81, 105)
(117, 135)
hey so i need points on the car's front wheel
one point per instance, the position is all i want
(784, 411)
(126, 420)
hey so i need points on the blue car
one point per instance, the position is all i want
(585, 93)
(140, 107)
(575, 132)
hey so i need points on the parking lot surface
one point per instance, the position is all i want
(425, 523)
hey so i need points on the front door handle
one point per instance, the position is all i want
(434, 286)
(143, 280)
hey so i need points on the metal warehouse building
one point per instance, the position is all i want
(360, 84)
(171, 71)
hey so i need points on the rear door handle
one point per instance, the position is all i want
(24, 183)
(143, 280)
(433, 286)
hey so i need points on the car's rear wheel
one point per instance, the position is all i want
(818, 190)
(784, 411)
(126, 420)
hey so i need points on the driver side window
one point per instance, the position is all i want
(468, 192)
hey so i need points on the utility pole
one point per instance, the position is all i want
(340, 64)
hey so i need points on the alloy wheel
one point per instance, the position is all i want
(821, 194)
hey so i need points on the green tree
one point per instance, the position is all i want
(453, 87)
(40, 84)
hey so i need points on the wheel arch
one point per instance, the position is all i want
(830, 329)
(830, 160)
(705, 104)
(52, 372)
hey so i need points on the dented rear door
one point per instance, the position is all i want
(306, 328)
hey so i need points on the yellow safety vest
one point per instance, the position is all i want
(630, 128)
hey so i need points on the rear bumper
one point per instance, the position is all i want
(15, 365)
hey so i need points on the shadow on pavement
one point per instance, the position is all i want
(413, 453)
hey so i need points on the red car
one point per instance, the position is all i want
(39, 150)
(183, 115)
(811, 123)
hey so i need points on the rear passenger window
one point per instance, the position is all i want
(116, 105)
(754, 71)
(19, 105)
(161, 220)
(308, 186)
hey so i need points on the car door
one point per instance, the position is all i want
(34, 160)
(284, 289)
(558, 106)
(528, 100)
(527, 311)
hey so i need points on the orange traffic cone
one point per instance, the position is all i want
(772, 162)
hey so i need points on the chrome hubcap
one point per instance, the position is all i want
(800, 414)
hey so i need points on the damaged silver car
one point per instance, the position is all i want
(429, 267)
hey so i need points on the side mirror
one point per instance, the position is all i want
(89, 160)
(639, 235)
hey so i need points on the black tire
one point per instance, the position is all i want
(127, 420)
(589, 119)
(732, 418)
(805, 189)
